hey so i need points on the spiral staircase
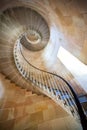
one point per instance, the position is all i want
(15, 38)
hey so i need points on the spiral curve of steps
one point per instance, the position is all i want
(12, 26)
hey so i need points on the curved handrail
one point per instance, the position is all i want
(79, 107)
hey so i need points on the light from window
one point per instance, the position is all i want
(75, 66)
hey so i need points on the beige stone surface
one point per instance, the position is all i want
(21, 110)
(26, 111)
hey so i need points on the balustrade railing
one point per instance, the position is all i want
(50, 84)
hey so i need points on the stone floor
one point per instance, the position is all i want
(22, 110)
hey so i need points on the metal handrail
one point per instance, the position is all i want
(78, 104)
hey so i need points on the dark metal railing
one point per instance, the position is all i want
(51, 84)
